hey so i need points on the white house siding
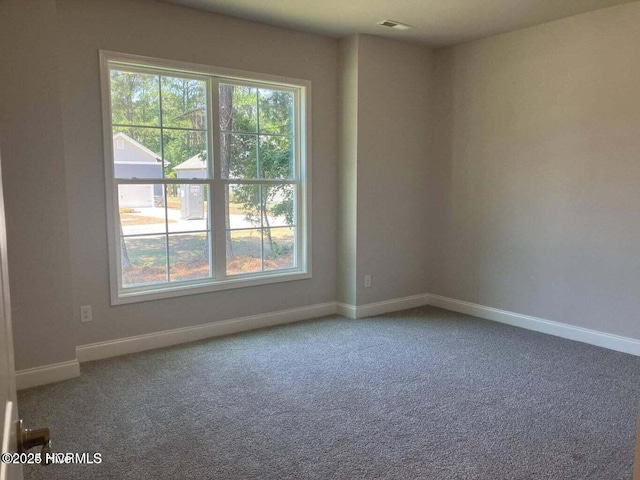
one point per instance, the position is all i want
(133, 160)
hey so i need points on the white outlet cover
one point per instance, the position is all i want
(86, 315)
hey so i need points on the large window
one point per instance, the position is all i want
(207, 178)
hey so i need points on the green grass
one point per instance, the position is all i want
(188, 256)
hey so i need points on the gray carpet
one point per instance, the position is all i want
(423, 393)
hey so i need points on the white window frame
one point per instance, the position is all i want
(216, 207)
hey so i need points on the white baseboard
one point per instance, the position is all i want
(346, 310)
(393, 305)
(140, 343)
(56, 372)
(386, 306)
(62, 371)
(580, 334)
(570, 332)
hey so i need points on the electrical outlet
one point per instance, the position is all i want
(367, 281)
(86, 315)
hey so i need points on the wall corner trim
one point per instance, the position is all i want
(55, 372)
(166, 338)
(386, 306)
(393, 305)
(346, 310)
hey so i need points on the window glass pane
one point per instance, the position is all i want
(239, 155)
(276, 111)
(136, 153)
(245, 252)
(144, 260)
(184, 103)
(276, 157)
(278, 204)
(243, 206)
(134, 98)
(141, 209)
(189, 256)
(161, 129)
(279, 251)
(185, 154)
(188, 207)
(238, 109)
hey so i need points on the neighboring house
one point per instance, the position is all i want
(195, 167)
(131, 159)
(192, 195)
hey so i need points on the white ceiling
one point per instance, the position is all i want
(435, 22)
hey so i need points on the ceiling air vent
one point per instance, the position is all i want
(394, 24)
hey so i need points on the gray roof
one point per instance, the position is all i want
(194, 163)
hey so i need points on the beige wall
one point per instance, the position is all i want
(34, 185)
(542, 138)
(165, 31)
(395, 198)
(347, 233)
(388, 194)
(502, 172)
(54, 174)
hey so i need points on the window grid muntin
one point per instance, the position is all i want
(260, 181)
(299, 266)
(163, 181)
(126, 125)
(262, 227)
(295, 173)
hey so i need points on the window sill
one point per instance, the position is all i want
(210, 285)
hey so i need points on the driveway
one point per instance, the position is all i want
(177, 224)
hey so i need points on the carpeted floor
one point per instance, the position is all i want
(423, 393)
